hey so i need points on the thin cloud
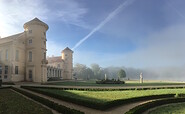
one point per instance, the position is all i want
(160, 49)
(107, 19)
(14, 13)
(71, 12)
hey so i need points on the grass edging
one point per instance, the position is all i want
(51, 104)
(144, 107)
(99, 106)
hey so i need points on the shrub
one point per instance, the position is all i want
(110, 82)
(8, 83)
(54, 79)
(103, 89)
(5, 87)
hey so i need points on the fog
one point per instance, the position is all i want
(97, 72)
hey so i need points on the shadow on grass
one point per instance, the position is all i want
(71, 97)
(95, 103)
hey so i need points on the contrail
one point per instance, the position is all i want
(175, 9)
(107, 19)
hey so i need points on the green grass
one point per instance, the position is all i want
(127, 84)
(106, 96)
(13, 103)
(170, 109)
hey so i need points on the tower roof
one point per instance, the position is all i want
(35, 21)
(67, 50)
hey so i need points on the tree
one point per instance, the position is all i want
(121, 74)
(96, 70)
(80, 71)
(89, 73)
(83, 72)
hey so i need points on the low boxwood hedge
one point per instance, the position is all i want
(105, 89)
(60, 108)
(8, 87)
(99, 106)
(110, 81)
(144, 107)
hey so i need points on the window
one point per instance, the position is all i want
(58, 65)
(5, 76)
(16, 70)
(30, 56)
(30, 41)
(30, 74)
(65, 54)
(44, 33)
(17, 55)
(30, 31)
(6, 70)
(0, 69)
(44, 55)
(6, 55)
(44, 42)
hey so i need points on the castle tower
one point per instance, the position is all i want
(67, 56)
(36, 69)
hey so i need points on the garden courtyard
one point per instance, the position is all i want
(70, 97)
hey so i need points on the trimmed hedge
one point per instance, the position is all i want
(144, 107)
(110, 82)
(5, 87)
(8, 83)
(99, 106)
(60, 108)
(105, 89)
(54, 79)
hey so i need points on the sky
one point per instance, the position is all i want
(130, 33)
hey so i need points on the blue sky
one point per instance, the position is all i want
(142, 34)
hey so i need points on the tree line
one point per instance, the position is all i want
(84, 72)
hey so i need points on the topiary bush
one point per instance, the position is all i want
(110, 82)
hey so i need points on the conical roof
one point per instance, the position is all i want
(67, 49)
(35, 21)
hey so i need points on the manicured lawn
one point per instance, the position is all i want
(170, 109)
(13, 103)
(104, 96)
(128, 83)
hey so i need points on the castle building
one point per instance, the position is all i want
(23, 56)
(61, 66)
